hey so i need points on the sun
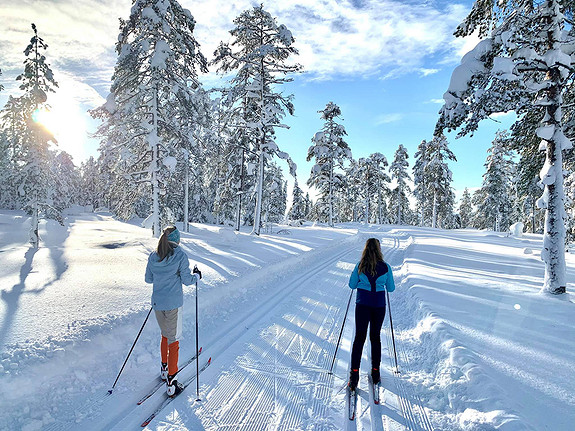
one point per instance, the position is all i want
(67, 123)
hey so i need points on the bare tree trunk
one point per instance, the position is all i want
(154, 169)
(434, 216)
(259, 190)
(240, 193)
(187, 193)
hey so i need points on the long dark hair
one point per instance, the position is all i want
(164, 248)
(370, 257)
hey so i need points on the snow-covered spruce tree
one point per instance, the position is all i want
(33, 156)
(350, 194)
(330, 151)
(263, 49)
(398, 169)
(438, 178)
(308, 204)
(192, 160)
(275, 195)
(221, 155)
(90, 193)
(66, 182)
(374, 187)
(421, 189)
(157, 68)
(525, 60)
(14, 130)
(466, 209)
(240, 153)
(298, 207)
(497, 184)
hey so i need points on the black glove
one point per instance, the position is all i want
(197, 271)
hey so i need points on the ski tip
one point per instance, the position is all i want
(200, 351)
(210, 360)
(145, 423)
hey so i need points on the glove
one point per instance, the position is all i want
(197, 271)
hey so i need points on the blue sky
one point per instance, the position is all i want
(385, 63)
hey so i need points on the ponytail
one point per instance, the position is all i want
(164, 248)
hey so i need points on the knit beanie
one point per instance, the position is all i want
(174, 236)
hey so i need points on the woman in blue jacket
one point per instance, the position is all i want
(371, 277)
(168, 267)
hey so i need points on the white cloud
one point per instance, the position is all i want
(343, 37)
(426, 72)
(437, 101)
(388, 118)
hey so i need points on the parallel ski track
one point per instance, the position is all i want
(412, 408)
(244, 395)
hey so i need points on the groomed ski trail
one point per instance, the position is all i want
(269, 368)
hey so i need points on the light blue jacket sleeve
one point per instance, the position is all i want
(354, 278)
(390, 282)
(149, 277)
(184, 270)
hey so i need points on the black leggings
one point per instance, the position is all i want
(364, 316)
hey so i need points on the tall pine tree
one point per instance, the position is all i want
(155, 75)
(330, 151)
(525, 60)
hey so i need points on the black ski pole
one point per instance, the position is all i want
(340, 332)
(133, 345)
(392, 335)
(197, 342)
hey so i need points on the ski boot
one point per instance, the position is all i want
(353, 379)
(173, 388)
(164, 371)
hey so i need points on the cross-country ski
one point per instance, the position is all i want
(351, 403)
(162, 382)
(168, 399)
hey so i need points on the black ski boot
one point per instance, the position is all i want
(353, 379)
(173, 388)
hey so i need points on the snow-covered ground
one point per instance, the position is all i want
(478, 347)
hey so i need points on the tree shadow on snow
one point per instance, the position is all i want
(12, 297)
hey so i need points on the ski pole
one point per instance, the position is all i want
(340, 332)
(392, 335)
(133, 345)
(197, 342)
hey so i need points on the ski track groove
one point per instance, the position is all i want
(413, 411)
(296, 349)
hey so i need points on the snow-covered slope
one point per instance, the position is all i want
(478, 347)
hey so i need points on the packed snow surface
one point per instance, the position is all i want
(478, 347)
